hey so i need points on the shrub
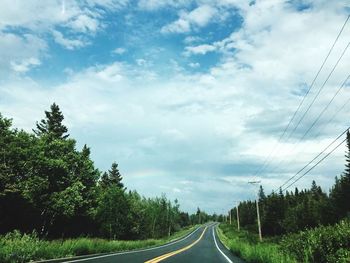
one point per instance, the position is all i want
(329, 244)
(246, 246)
(15, 247)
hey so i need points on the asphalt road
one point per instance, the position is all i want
(200, 246)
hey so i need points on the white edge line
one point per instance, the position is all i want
(135, 251)
(216, 244)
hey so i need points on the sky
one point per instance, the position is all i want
(189, 97)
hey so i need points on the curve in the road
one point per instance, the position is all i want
(170, 254)
(134, 251)
(201, 246)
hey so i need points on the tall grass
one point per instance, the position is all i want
(246, 246)
(325, 244)
(16, 247)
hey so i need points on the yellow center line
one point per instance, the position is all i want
(170, 254)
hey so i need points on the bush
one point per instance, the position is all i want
(329, 244)
(246, 246)
(15, 247)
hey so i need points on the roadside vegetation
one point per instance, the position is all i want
(54, 202)
(17, 247)
(298, 226)
(325, 244)
(247, 246)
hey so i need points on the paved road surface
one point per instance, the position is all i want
(201, 246)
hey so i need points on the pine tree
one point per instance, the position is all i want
(52, 125)
(115, 177)
(340, 192)
(104, 182)
(261, 194)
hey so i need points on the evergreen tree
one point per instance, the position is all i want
(261, 194)
(340, 193)
(115, 177)
(52, 125)
(104, 181)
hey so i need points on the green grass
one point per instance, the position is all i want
(17, 247)
(324, 244)
(246, 246)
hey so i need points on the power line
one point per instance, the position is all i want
(317, 119)
(319, 91)
(266, 161)
(318, 72)
(325, 108)
(315, 165)
(318, 155)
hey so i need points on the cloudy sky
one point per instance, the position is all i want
(188, 96)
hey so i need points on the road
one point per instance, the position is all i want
(200, 246)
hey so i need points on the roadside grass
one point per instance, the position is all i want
(246, 246)
(325, 244)
(16, 247)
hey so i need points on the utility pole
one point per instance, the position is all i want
(237, 214)
(230, 217)
(257, 208)
(238, 227)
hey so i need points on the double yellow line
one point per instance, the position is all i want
(170, 254)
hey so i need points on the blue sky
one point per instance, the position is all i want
(188, 96)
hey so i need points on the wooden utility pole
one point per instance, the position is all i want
(257, 209)
(258, 214)
(230, 217)
(238, 227)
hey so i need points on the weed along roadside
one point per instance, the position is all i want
(325, 244)
(17, 247)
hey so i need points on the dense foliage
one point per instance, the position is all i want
(247, 246)
(49, 186)
(326, 244)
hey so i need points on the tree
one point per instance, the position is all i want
(55, 187)
(261, 194)
(115, 177)
(112, 213)
(104, 180)
(52, 125)
(340, 193)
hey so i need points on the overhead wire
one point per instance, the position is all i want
(317, 119)
(267, 159)
(311, 168)
(317, 156)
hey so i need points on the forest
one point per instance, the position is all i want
(50, 187)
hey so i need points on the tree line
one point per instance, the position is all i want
(296, 210)
(48, 186)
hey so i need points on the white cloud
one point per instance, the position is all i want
(67, 43)
(201, 49)
(79, 20)
(157, 4)
(25, 64)
(110, 4)
(141, 62)
(187, 21)
(20, 53)
(84, 23)
(192, 39)
(119, 51)
(194, 65)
